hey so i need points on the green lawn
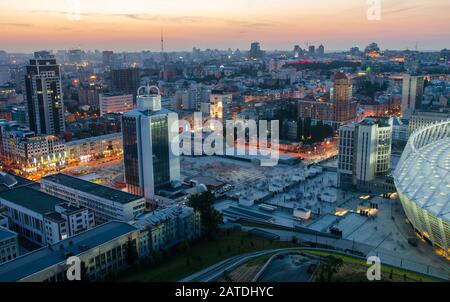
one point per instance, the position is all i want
(204, 253)
(221, 247)
(386, 269)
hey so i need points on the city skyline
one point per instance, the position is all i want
(119, 26)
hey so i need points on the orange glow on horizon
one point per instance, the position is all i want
(136, 24)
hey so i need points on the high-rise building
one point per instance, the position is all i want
(75, 55)
(108, 58)
(125, 81)
(115, 103)
(43, 96)
(412, 94)
(320, 50)
(311, 50)
(148, 131)
(354, 51)
(444, 55)
(342, 97)
(372, 48)
(5, 75)
(297, 51)
(364, 151)
(19, 115)
(255, 51)
(88, 94)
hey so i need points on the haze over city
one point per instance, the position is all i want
(28, 25)
(253, 142)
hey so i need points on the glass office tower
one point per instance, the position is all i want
(148, 131)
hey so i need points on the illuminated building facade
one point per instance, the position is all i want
(345, 108)
(148, 133)
(422, 178)
(43, 97)
(87, 149)
(364, 151)
(316, 110)
(412, 93)
(28, 152)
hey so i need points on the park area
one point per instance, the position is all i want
(315, 266)
(186, 259)
(197, 255)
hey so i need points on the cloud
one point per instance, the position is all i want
(167, 19)
(17, 24)
(399, 10)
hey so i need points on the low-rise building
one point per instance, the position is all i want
(164, 228)
(4, 221)
(107, 203)
(42, 218)
(115, 103)
(422, 118)
(27, 151)
(86, 149)
(9, 247)
(101, 250)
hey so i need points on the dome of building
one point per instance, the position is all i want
(422, 178)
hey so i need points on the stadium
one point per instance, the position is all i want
(422, 178)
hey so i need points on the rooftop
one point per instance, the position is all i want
(92, 188)
(141, 112)
(6, 234)
(32, 199)
(161, 215)
(380, 121)
(45, 257)
(423, 172)
(55, 216)
(8, 182)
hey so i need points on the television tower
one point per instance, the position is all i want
(162, 42)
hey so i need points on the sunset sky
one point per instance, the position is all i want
(28, 25)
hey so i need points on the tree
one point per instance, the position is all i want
(307, 128)
(329, 266)
(300, 129)
(210, 217)
(183, 247)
